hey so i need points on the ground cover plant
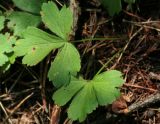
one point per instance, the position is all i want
(36, 44)
(72, 74)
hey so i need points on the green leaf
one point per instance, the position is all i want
(104, 86)
(113, 6)
(6, 47)
(10, 60)
(33, 6)
(58, 21)
(36, 45)
(89, 94)
(84, 103)
(68, 91)
(112, 76)
(6, 42)
(66, 63)
(19, 21)
(3, 59)
(2, 19)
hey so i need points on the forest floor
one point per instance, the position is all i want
(136, 53)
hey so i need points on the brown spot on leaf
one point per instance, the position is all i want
(33, 49)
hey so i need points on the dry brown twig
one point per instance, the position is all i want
(141, 104)
(17, 106)
(140, 87)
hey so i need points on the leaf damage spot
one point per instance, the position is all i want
(33, 49)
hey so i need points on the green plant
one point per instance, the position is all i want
(86, 95)
(17, 22)
(35, 40)
(115, 6)
(30, 16)
(6, 48)
(6, 51)
(2, 19)
(35, 44)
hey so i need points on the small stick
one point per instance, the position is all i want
(126, 46)
(140, 87)
(1, 105)
(43, 78)
(155, 76)
(55, 116)
(141, 104)
(74, 6)
(12, 111)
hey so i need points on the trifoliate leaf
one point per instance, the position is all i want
(89, 94)
(66, 63)
(6, 47)
(33, 6)
(58, 21)
(19, 21)
(113, 6)
(2, 19)
(36, 45)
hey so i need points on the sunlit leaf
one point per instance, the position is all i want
(19, 21)
(3, 58)
(2, 19)
(66, 63)
(33, 6)
(68, 91)
(6, 47)
(58, 21)
(36, 45)
(84, 103)
(102, 90)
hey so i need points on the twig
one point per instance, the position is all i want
(141, 104)
(106, 64)
(5, 112)
(43, 81)
(133, 15)
(74, 6)
(59, 3)
(142, 24)
(140, 87)
(3, 8)
(15, 108)
(55, 116)
(154, 76)
(16, 81)
(126, 46)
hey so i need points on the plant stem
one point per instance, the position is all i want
(106, 64)
(3, 8)
(93, 39)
